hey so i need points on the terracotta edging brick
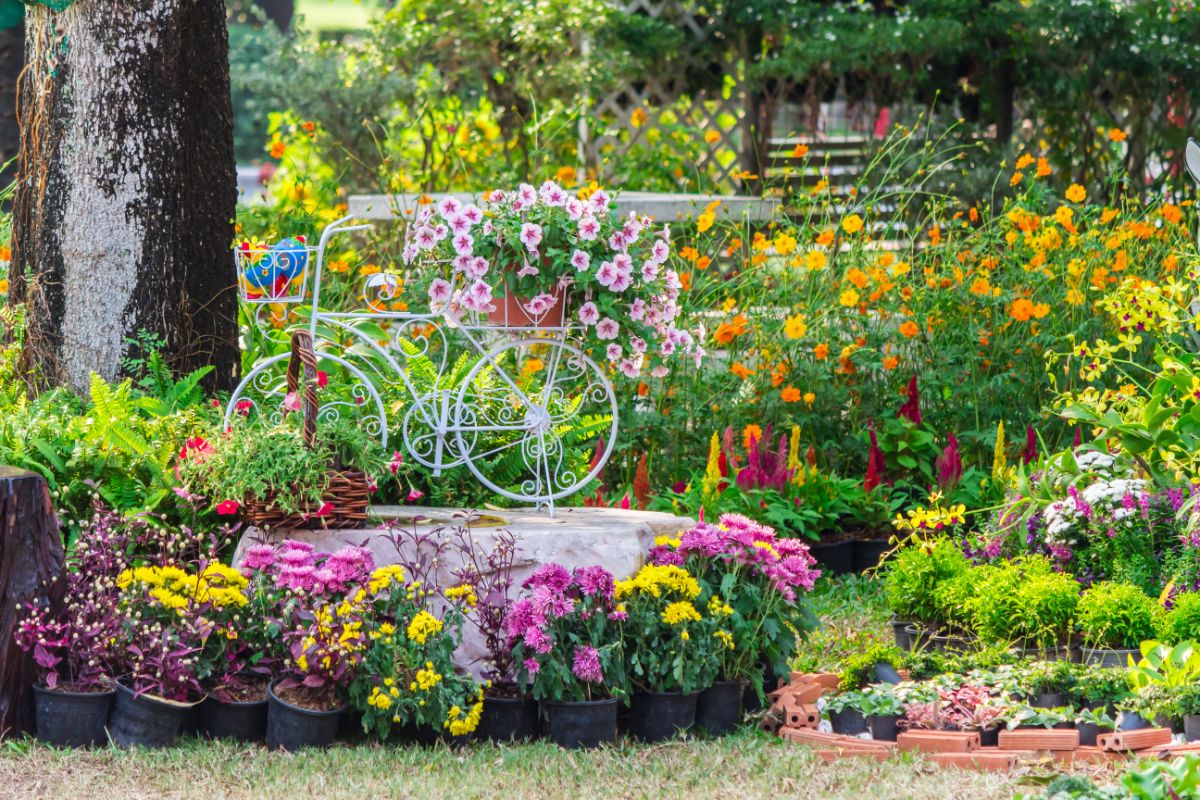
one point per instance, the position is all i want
(993, 760)
(804, 716)
(1039, 739)
(939, 741)
(1134, 740)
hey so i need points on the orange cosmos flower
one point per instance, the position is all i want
(821, 352)
(751, 433)
(1021, 310)
(909, 329)
(790, 394)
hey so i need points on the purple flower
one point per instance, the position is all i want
(351, 564)
(586, 665)
(532, 666)
(258, 557)
(294, 557)
(594, 581)
(549, 576)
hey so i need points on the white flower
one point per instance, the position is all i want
(589, 228)
(531, 235)
(607, 274)
(447, 207)
(581, 260)
(439, 291)
(613, 351)
(463, 243)
(598, 202)
(478, 297)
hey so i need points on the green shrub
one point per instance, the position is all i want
(1116, 616)
(1100, 686)
(1025, 601)
(914, 575)
(955, 600)
(859, 669)
(1182, 622)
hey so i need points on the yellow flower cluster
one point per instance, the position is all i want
(426, 679)
(383, 578)
(655, 580)
(666, 541)
(423, 626)
(460, 724)
(930, 519)
(680, 612)
(381, 698)
(173, 587)
(385, 631)
(719, 608)
(464, 593)
(725, 638)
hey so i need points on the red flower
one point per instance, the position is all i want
(1030, 445)
(325, 510)
(243, 407)
(949, 466)
(875, 462)
(911, 410)
(414, 495)
(227, 508)
(322, 379)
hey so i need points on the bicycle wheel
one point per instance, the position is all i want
(528, 419)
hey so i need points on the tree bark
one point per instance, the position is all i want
(12, 58)
(123, 215)
(31, 562)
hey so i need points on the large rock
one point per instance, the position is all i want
(616, 539)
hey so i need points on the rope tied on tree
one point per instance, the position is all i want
(53, 5)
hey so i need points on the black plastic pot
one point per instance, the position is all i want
(291, 727)
(900, 633)
(582, 725)
(885, 673)
(1049, 700)
(1056, 653)
(1109, 658)
(989, 737)
(1191, 727)
(850, 722)
(71, 719)
(868, 552)
(719, 707)
(1174, 724)
(834, 558)
(953, 643)
(884, 728)
(1088, 732)
(419, 735)
(238, 722)
(508, 719)
(1131, 721)
(145, 721)
(659, 716)
(918, 636)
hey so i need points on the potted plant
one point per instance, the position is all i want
(509, 712)
(845, 712)
(672, 649)
(244, 650)
(1051, 683)
(1027, 603)
(288, 475)
(1187, 702)
(1100, 689)
(883, 709)
(72, 641)
(566, 638)
(1091, 722)
(1167, 670)
(546, 257)
(164, 613)
(954, 603)
(760, 578)
(912, 577)
(1114, 619)
(407, 682)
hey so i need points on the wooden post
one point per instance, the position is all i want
(31, 561)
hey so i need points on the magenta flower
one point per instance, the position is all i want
(586, 665)
(258, 557)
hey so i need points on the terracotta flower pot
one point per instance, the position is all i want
(509, 311)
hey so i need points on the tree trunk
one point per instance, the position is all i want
(31, 561)
(123, 215)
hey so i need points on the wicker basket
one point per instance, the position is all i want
(348, 493)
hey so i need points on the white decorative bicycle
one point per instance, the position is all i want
(516, 420)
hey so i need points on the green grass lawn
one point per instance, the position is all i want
(323, 15)
(748, 765)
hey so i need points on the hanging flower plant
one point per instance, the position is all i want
(546, 257)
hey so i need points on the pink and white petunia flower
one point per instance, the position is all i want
(659, 371)
(613, 351)
(440, 231)
(598, 202)
(575, 208)
(637, 344)
(589, 314)
(637, 310)
(624, 281)
(478, 296)
(660, 251)
(607, 328)
(410, 253)
(472, 214)
(477, 268)
(552, 194)
(630, 368)
(649, 272)
(459, 224)
(425, 237)
(448, 207)
(607, 273)
(527, 194)
(439, 291)
(589, 228)
(528, 268)
(462, 262)
(581, 261)
(618, 241)
(463, 243)
(531, 235)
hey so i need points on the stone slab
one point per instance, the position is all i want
(616, 539)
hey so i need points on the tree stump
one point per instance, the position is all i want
(31, 561)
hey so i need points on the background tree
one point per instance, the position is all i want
(123, 214)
